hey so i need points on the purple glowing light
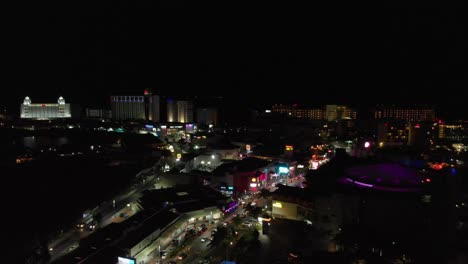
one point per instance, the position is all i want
(360, 183)
(386, 177)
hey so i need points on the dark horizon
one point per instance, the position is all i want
(402, 57)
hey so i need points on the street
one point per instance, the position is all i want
(68, 242)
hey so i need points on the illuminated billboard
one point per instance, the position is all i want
(124, 260)
(278, 205)
(283, 169)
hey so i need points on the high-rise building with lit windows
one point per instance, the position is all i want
(293, 111)
(207, 116)
(405, 113)
(179, 111)
(455, 132)
(136, 107)
(328, 112)
(45, 111)
(339, 112)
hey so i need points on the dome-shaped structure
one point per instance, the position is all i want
(61, 101)
(27, 101)
(386, 177)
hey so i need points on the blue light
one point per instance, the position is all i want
(283, 169)
(231, 188)
(454, 171)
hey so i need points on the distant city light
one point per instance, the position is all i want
(267, 111)
(248, 147)
(367, 144)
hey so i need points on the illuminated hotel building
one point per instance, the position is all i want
(207, 116)
(392, 133)
(45, 111)
(329, 112)
(455, 132)
(407, 114)
(339, 112)
(294, 112)
(136, 107)
(179, 111)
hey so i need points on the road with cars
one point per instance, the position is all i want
(112, 211)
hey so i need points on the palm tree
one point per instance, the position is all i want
(265, 194)
(219, 236)
(236, 221)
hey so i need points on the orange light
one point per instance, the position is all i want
(254, 179)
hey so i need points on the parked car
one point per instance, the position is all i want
(182, 256)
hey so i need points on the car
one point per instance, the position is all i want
(204, 239)
(73, 247)
(123, 215)
(182, 256)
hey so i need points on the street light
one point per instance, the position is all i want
(159, 253)
(230, 243)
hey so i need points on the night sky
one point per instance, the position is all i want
(85, 53)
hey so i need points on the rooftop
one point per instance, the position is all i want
(245, 165)
(157, 221)
(194, 206)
